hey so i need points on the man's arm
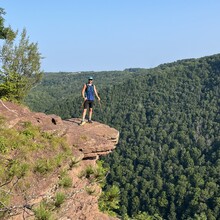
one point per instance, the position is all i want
(83, 92)
(96, 93)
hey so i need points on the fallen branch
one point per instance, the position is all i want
(8, 108)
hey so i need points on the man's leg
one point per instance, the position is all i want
(90, 114)
(85, 105)
(84, 114)
(90, 111)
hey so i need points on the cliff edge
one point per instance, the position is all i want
(86, 142)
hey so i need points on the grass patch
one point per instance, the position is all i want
(4, 202)
(59, 199)
(90, 190)
(29, 150)
(2, 120)
(47, 165)
(43, 212)
(94, 174)
(84, 137)
(30, 131)
(65, 180)
(73, 163)
(43, 166)
(3, 145)
(16, 168)
(87, 173)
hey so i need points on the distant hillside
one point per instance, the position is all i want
(56, 88)
(167, 162)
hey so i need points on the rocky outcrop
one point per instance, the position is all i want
(91, 140)
(88, 143)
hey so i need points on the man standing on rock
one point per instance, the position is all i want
(88, 92)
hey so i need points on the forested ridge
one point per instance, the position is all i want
(57, 90)
(167, 161)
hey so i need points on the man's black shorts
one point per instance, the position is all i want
(88, 103)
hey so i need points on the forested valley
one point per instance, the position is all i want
(167, 162)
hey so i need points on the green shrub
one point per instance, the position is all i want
(65, 180)
(59, 159)
(145, 216)
(3, 145)
(16, 168)
(42, 212)
(4, 201)
(2, 120)
(90, 190)
(73, 163)
(109, 200)
(87, 173)
(30, 130)
(100, 173)
(94, 174)
(43, 166)
(47, 135)
(59, 199)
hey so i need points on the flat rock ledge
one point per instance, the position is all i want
(89, 141)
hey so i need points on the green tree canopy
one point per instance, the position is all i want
(20, 68)
(5, 32)
(166, 164)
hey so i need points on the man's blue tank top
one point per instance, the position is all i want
(90, 92)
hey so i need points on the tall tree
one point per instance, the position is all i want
(20, 67)
(5, 32)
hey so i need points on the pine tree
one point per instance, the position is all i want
(20, 68)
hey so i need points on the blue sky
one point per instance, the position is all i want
(96, 35)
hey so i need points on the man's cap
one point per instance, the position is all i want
(91, 77)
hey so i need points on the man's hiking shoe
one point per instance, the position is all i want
(90, 121)
(82, 123)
